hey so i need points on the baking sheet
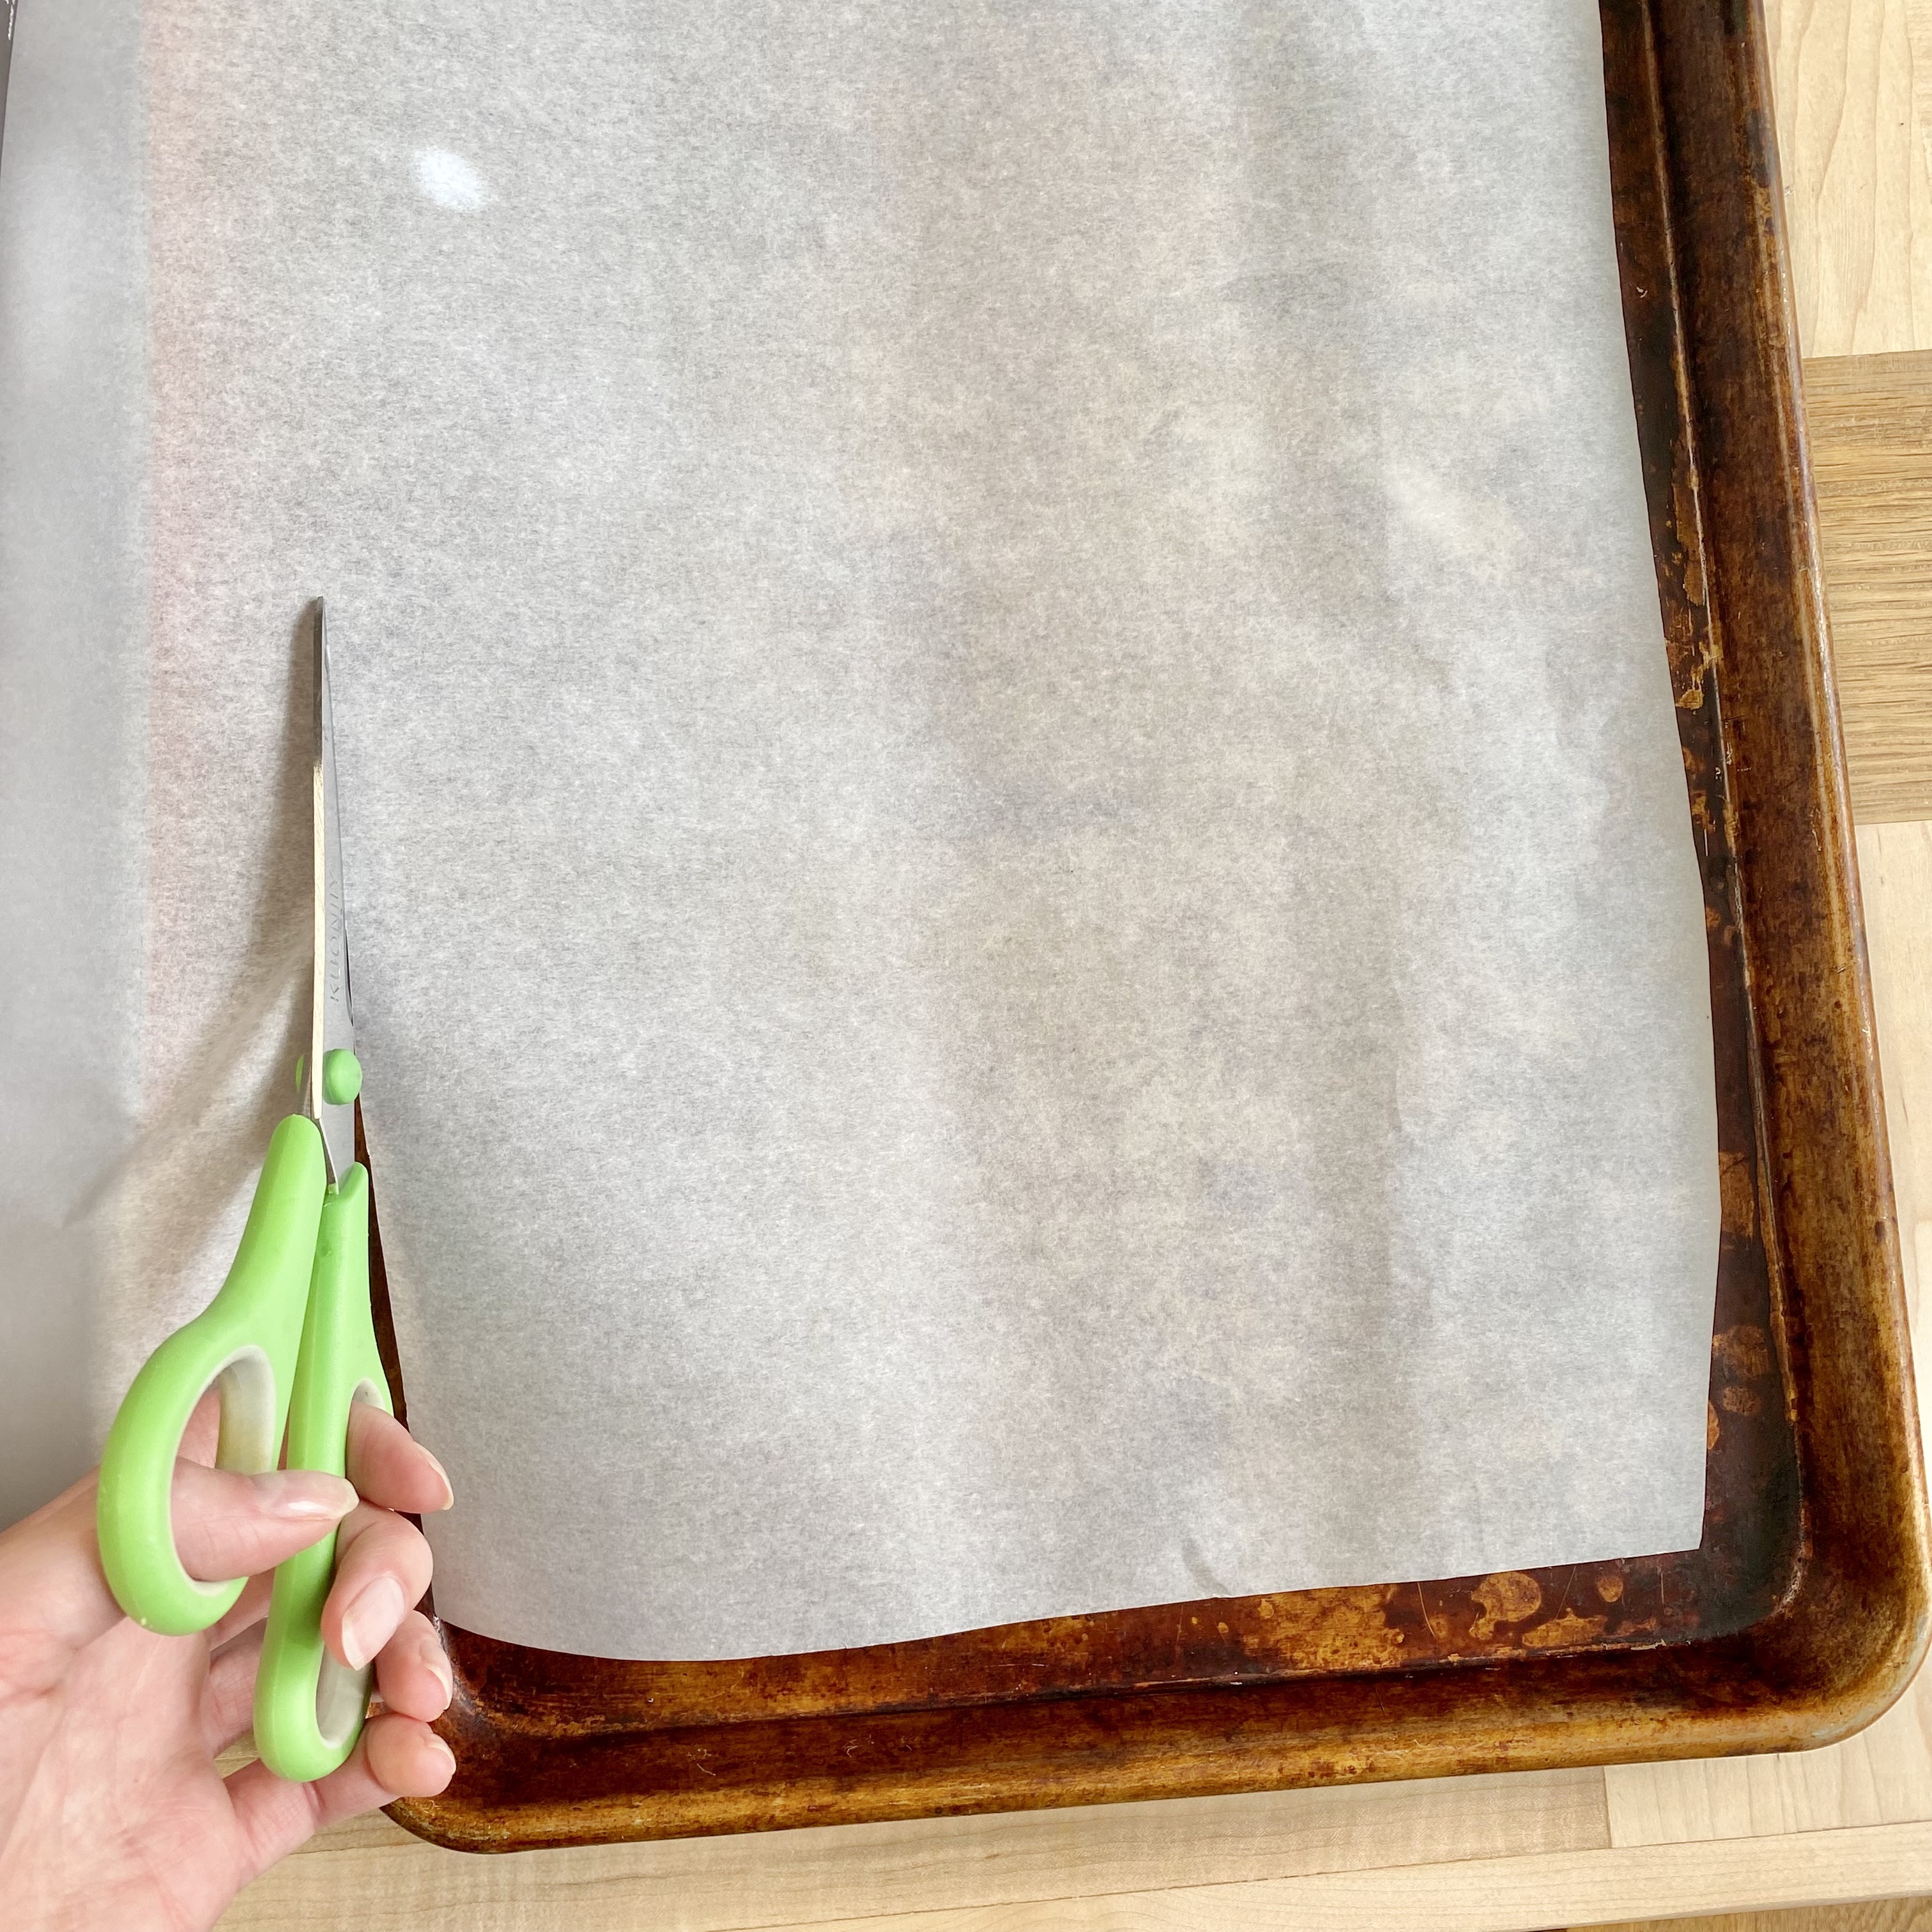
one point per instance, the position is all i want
(1024, 925)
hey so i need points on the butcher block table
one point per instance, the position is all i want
(1631, 1843)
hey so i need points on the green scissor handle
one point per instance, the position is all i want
(245, 1341)
(289, 1344)
(309, 1707)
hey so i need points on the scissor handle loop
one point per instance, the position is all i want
(309, 1707)
(245, 1343)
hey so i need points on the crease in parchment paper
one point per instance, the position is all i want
(1024, 926)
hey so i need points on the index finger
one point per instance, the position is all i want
(390, 1467)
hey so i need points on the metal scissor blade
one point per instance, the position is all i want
(332, 1028)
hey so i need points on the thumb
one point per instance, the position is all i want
(227, 1524)
(54, 1597)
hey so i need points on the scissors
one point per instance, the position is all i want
(288, 1343)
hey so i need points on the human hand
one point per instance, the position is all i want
(113, 1814)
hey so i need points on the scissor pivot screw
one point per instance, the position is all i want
(341, 1076)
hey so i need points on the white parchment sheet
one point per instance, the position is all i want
(1025, 932)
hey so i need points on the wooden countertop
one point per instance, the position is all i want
(1533, 1850)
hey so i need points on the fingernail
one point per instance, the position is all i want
(371, 1621)
(442, 1751)
(438, 1662)
(448, 1493)
(304, 1496)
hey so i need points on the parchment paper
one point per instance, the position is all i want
(1025, 933)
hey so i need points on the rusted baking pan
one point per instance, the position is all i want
(1804, 1612)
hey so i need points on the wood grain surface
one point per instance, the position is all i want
(1870, 421)
(1643, 1845)
(1853, 80)
(1887, 1915)
(1355, 1885)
